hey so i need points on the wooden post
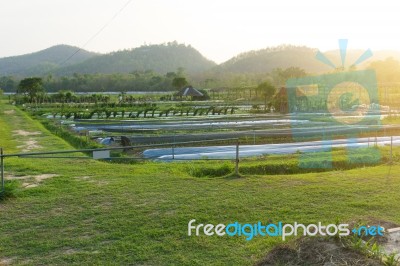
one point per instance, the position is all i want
(2, 170)
(391, 149)
(173, 148)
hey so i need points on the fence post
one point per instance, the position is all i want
(173, 148)
(391, 149)
(2, 170)
(237, 158)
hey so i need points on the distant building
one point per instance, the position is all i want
(190, 92)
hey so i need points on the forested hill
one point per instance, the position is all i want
(153, 67)
(264, 60)
(42, 62)
(285, 56)
(161, 58)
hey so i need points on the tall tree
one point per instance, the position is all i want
(7, 84)
(267, 90)
(179, 82)
(31, 87)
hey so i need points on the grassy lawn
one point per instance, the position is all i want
(102, 213)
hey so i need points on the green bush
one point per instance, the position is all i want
(10, 188)
(214, 171)
(79, 142)
(311, 162)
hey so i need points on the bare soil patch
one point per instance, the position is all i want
(9, 112)
(330, 251)
(29, 145)
(6, 261)
(315, 251)
(31, 181)
(83, 177)
(25, 133)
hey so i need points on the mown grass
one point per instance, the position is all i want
(101, 213)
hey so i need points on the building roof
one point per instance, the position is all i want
(283, 92)
(189, 91)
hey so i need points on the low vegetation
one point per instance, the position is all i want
(95, 212)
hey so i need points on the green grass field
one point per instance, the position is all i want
(101, 213)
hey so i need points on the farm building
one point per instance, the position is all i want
(189, 93)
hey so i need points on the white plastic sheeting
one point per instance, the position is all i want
(229, 152)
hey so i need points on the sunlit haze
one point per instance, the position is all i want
(218, 29)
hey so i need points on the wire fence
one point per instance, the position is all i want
(105, 154)
(256, 135)
(2, 188)
(227, 150)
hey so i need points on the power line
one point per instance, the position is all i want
(98, 32)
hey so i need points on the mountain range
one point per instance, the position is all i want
(43, 62)
(64, 60)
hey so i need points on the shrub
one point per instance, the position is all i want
(78, 142)
(212, 171)
(10, 188)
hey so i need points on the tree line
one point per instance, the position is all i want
(135, 81)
